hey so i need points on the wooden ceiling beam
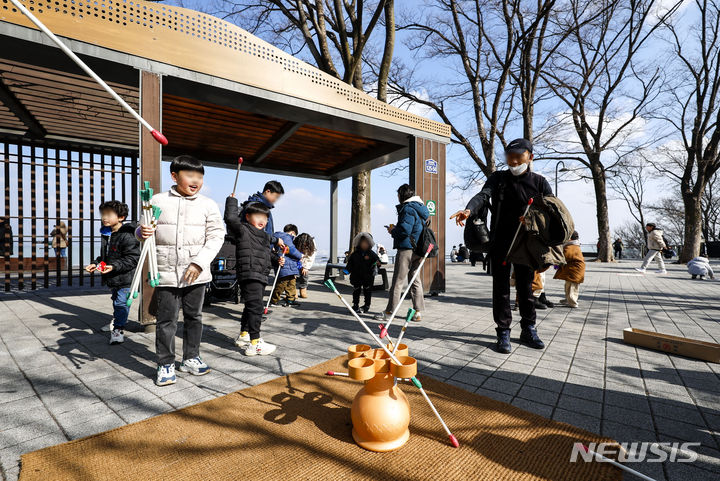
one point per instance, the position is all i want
(35, 129)
(276, 140)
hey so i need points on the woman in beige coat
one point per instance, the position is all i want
(59, 239)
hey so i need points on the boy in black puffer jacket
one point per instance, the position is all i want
(252, 264)
(120, 252)
(362, 266)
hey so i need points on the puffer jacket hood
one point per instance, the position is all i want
(258, 197)
(548, 226)
(252, 246)
(412, 215)
(361, 236)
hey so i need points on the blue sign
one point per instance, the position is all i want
(431, 166)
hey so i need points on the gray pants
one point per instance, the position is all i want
(405, 265)
(649, 257)
(169, 301)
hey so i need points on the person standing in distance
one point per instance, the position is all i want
(508, 192)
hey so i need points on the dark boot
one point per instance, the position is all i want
(545, 301)
(529, 337)
(539, 305)
(503, 341)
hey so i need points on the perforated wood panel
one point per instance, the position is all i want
(206, 44)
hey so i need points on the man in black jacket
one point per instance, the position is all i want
(120, 252)
(508, 193)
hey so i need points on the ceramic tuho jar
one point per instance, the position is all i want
(380, 411)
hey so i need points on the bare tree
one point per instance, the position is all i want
(495, 47)
(629, 181)
(605, 88)
(336, 34)
(696, 115)
(711, 211)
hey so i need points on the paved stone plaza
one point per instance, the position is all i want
(61, 380)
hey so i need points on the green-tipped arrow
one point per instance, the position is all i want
(410, 314)
(416, 382)
(330, 285)
(146, 184)
(156, 212)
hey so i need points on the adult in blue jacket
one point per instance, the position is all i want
(270, 194)
(289, 271)
(412, 215)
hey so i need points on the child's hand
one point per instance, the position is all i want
(280, 243)
(90, 268)
(108, 268)
(147, 231)
(390, 228)
(192, 273)
(304, 272)
(281, 261)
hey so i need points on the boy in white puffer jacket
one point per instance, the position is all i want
(189, 234)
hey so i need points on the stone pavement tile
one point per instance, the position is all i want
(584, 392)
(499, 385)
(467, 376)
(625, 433)
(676, 430)
(689, 472)
(136, 398)
(669, 409)
(10, 457)
(19, 390)
(536, 407)
(513, 376)
(462, 385)
(19, 412)
(590, 381)
(582, 406)
(629, 417)
(637, 389)
(40, 425)
(540, 395)
(589, 423)
(498, 396)
(85, 414)
(95, 425)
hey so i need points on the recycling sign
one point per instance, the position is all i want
(431, 206)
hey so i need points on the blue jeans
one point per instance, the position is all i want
(120, 309)
(59, 251)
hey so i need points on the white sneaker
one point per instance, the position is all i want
(242, 340)
(165, 375)
(194, 366)
(262, 348)
(662, 271)
(418, 317)
(108, 327)
(117, 336)
(383, 316)
(640, 269)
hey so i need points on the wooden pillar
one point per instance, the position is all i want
(427, 177)
(150, 165)
(333, 221)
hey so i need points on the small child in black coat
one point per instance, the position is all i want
(120, 252)
(362, 265)
(252, 264)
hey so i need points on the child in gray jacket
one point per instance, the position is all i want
(189, 234)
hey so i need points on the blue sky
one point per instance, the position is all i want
(307, 201)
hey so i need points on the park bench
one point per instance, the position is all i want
(340, 267)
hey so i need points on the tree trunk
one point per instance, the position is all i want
(693, 226)
(360, 205)
(605, 253)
